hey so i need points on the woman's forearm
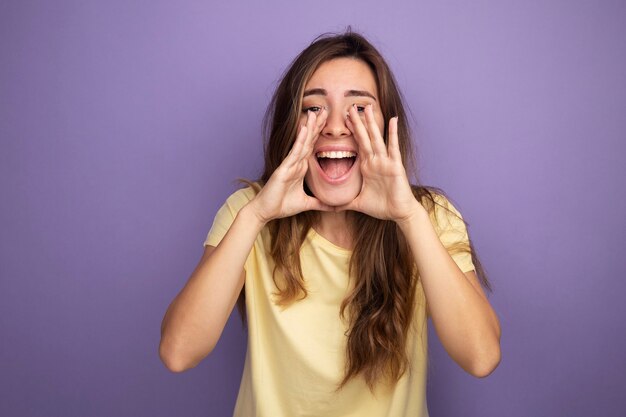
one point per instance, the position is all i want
(463, 318)
(195, 319)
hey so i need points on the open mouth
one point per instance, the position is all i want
(336, 164)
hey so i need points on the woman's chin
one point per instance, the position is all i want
(337, 198)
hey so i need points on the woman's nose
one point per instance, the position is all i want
(336, 123)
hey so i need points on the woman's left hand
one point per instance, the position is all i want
(385, 193)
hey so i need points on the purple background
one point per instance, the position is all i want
(124, 124)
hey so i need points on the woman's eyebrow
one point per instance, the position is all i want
(315, 92)
(358, 93)
(348, 93)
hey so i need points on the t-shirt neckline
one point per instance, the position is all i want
(322, 241)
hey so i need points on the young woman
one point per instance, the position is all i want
(338, 258)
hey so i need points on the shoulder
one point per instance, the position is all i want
(235, 202)
(443, 213)
(227, 213)
(240, 198)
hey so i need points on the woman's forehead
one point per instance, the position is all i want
(341, 74)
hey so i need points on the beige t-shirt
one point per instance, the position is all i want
(296, 354)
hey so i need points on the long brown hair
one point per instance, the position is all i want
(380, 306)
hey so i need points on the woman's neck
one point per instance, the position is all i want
(336, 227)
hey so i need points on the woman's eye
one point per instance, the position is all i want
(314, 109)
(360, 109)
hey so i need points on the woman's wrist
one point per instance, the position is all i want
(416, 215)
(253, 216)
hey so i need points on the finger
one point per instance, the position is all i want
(299, 148)
(321, 120)
(293, 155)
(359, 131)
(319, 125)
(378, 143)
(394, 144)
(311, 124)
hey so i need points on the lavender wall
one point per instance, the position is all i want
(124, 123)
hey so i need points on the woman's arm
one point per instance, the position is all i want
(194, 321)
(463, 318)
(196, 318)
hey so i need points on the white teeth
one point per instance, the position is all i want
(336, 154)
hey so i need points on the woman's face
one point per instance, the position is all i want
(334, 176)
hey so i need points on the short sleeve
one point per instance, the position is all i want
(226, 215)
(452, 233)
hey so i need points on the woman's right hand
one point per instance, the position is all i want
(283, 195)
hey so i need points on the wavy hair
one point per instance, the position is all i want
(380, 304)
